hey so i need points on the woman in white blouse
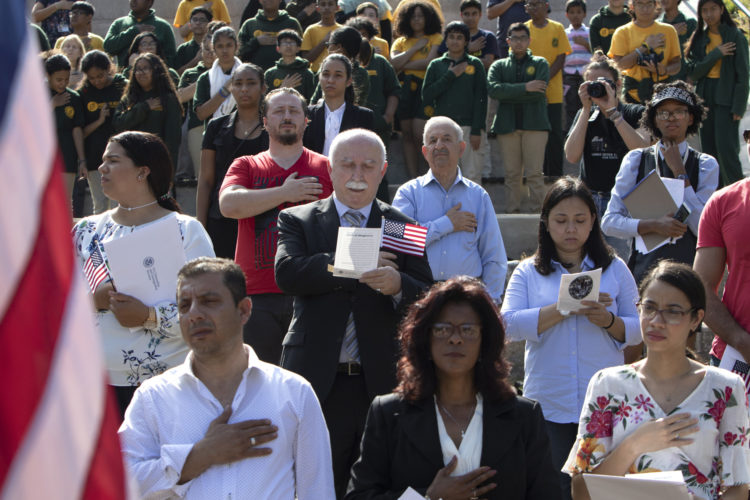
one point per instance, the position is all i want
(139, 341)
(563, 351)
(454, 428)
(667, 412)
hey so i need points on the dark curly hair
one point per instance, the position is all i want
(699, 111)
(162, 82)
(433, 22)
(416, 370)
(595, 246)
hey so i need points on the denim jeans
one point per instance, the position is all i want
(621, 246)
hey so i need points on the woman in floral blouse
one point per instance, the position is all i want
(667, 412)
(139, 341)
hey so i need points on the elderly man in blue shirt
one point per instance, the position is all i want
(463, 236)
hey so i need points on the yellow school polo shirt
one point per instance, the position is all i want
(182, 16)
(714, 40)
(403, 44)
(629, 37)
(379, 43)
(314, 34)
(549, 42)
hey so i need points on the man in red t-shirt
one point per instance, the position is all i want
(255, 189)
(722, 240)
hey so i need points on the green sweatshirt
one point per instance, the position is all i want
(383, 84)
(462, 98)
(603, 26)
(691, 24)
(263, 55)
(68, 117)
(732, 89)
(276, 74)
(165, 122)
(123, 30)
(185, 53)
(189, 77)
(507, 83)
(94, 100)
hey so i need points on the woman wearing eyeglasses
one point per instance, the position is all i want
(673, 113)
(667, 412)
(454, 428)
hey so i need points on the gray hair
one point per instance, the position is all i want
(354, 134)
(442, 120)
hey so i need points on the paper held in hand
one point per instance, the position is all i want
(577, 287)
(145, 263)
(357, 251)
(668, 485)
(733, 361)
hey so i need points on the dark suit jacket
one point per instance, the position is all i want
(315, 133)
(401, 448)
(322, 302)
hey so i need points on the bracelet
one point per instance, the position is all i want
(81, 161)
(151, 323)
(614, 318)
(614, 115)
(222, 93)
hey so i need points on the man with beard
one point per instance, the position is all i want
(254, 191)
(343, 335)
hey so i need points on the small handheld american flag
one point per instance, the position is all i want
(404, 237)
(95, 269)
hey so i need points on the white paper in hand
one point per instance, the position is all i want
(145, 263)
(577, 287)
(357, 251)
(603, 487)
(411, 494)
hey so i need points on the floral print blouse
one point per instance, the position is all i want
(617, 402)
(134, 354)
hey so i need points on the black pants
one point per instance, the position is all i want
(571, 99)
(553, 155)
(124, 393)
(223, 233)
(345, 410)
(268, 323)
(561, 439)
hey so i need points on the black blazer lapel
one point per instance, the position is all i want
(327, 219)
(349, 119)
(500, 430)
(419, 423)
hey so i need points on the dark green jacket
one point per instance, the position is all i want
(274, 75)
(691, 25)
(123, 30)
(165, 122)
(94, 100)
(462, 98)
(263, 55)
(68, 117)
(603, 26)
(189, 77)
(507, 83)
(732, 90)
(185, 53)
(383, 84)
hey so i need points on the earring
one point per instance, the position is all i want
(140, 177)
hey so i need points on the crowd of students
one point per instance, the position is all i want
(620, 97)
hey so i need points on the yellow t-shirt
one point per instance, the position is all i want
(182, 16)
(549, 42)
(714, 40)
(314, 34)
(403, 44)
(379, 43)
(95, 41)
(629, 37)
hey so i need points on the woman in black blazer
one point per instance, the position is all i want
(454, 428)
(335, 79)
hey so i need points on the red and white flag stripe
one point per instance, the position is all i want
(57, 420)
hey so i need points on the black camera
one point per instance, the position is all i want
(650, 57)
(597, 88)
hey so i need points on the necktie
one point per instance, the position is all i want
(354, 219)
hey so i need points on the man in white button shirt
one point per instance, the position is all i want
(225, 425)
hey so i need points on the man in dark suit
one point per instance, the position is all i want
(343, 333)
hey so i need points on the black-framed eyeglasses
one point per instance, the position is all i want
(467, 331)
(671, 315)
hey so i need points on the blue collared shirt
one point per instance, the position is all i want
(617, 221)
(559, 362)
(480, 254)
(341, 209)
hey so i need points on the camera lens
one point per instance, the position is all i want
(596, 89)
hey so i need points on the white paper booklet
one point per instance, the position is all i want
(145, 263)
(667, 486)
(733, 361)
(411, 494)
(577, 287)
(357, 251)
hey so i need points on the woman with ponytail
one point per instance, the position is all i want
(337, 111)
(139, 341)
(717, 60)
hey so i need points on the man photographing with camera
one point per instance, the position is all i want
(646, 51)
(603, 131)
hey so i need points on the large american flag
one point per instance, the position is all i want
(58, 422)
(404, 237)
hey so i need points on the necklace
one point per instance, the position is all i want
(140, 206)
(460, 427)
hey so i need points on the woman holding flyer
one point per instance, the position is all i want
(140, 341)
(563, 350)
(667, 412)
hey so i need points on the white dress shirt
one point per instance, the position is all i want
(172, 412)
(469, 454)
(333, 125)
(617, 221)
